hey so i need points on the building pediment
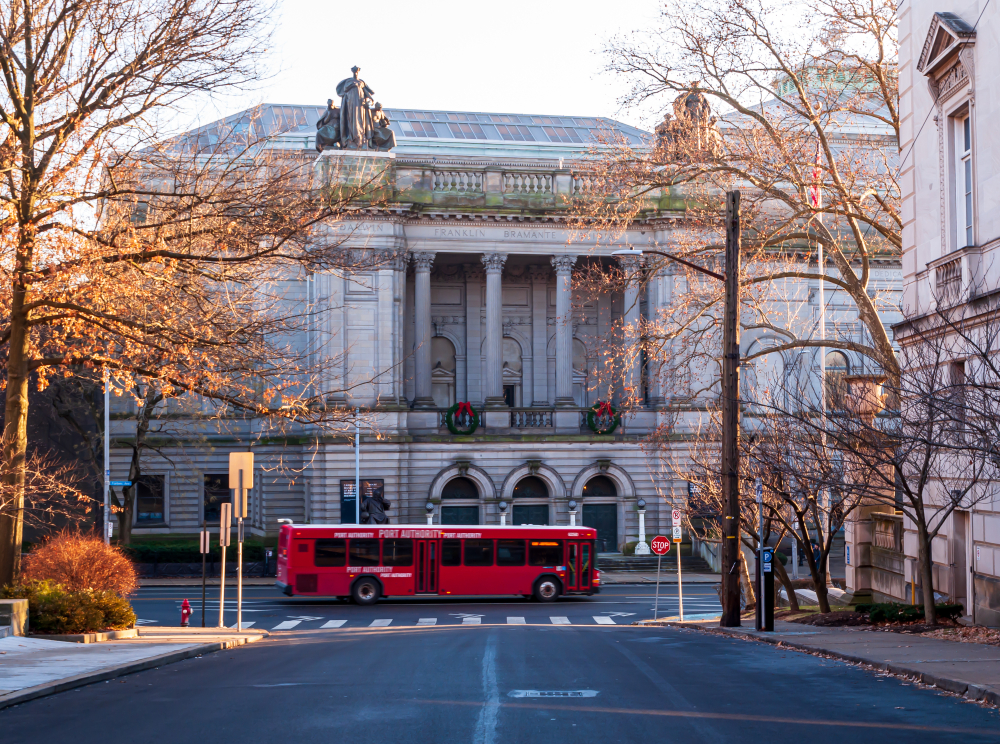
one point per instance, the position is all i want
(947, 33)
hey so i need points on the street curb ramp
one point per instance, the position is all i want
(966, 689)
(81, 680)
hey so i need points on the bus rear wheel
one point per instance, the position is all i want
(365, 591)
(546, 589)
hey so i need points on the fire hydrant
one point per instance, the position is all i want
(185, 613)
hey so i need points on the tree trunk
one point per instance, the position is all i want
(793, 601)
(926, 566)
(150, 400)
(748, 591)
(14, 440)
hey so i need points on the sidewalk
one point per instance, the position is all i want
(969, 669)
(667, 576)
(35, 667)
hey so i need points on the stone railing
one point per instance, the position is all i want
(948, 280)
(527, 184)
(530, 418)
(585, 184)
(458, 182)
(887, 531)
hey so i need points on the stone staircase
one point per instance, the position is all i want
(647, 563)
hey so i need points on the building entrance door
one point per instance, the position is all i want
(426, 565)
(604, 519)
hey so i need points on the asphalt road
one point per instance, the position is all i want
(492, 684)
(269, 609)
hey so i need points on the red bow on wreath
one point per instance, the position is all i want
(603, 407)
(465, 407)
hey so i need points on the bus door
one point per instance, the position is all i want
(427, 566)
(578, 565)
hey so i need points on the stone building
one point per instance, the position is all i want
(472, 300)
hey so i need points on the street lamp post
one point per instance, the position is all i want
(730, 395)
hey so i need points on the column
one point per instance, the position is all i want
(564, 330)
(493, 374)
(630, 327)
(539, 335)
(654, 290)
(473, 333)
(422, 337)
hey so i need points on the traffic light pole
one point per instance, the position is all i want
(731, 420)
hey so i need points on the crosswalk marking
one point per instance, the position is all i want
(381, 623)
(333, 624)
(471, 620)
(286, 625)
(427, 621)
(515, 621)
(603, 620)
(243, 625)
(560, 620)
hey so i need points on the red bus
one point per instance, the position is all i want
(365, 562)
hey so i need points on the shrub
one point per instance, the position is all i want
(894, 612)
(54, 609)
(186, 551)
(78, 561)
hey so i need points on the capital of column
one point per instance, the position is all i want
(398, 260)
(494, 262)
(631, 264)
(422, 262)
(563, 264)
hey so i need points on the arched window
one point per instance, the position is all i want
(442, 371)
(837, 368)
(600, 486)
(531, 487)
(460, 488)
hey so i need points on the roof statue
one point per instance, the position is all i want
(692, 128)
(359, 123)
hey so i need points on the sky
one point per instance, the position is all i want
(514, 56)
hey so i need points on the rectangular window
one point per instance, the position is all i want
(397, 553)
(364, 552)
(331, 552)
(478, 552)
(545, 553)
(963, 181)
(150, 500)
(216, 492)
(510, 552)
(451, 552)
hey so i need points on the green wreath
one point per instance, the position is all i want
(602, 409)
(449, 419)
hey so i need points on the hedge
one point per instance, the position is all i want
(894, 612)
(187, 551)
(53, 609)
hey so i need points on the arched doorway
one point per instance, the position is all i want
(603, 517)
(530, 488)
(460, 488)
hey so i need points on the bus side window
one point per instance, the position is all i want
(451, 552)
(397, 552)
(545, 553)
(510, 552)
(331, 552)
(364, 552)
(478, 552)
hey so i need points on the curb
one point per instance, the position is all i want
(80, 680)
(969, 691)
(108, 635)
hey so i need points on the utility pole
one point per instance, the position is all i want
(731, 419)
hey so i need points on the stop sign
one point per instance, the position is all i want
(660, 545)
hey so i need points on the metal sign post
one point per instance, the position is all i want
(676, 517)
(759, 489)
(203, 546)
(240, 479)
(225, 525)
(107, 458)
(660, 546)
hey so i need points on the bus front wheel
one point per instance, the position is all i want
(546, 589)
(366, 591)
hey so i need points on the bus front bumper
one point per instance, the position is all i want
(285, 588)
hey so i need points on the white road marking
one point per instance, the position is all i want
(471, 620)
(515, 621)
(286, 625)
(603, 620)
(333, 624)
(243, 625)
(560, 620)
(381, 623)
(486, 723)
(552, 693)
(427, 621)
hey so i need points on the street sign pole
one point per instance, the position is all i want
(676, 517)
(107, 458)
(357, 466)
(225, 522)
(203, 545)
(239, 556)
(659, 545)
(759, 488)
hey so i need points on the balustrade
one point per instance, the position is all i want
(887, 531)
(527, 184)
(530, 419)
(585, 184)
(458, 182)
